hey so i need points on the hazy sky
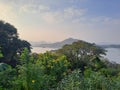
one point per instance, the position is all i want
(55, 20)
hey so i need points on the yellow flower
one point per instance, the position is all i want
(33, 81)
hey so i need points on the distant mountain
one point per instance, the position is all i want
(58, 44)
(36, 44)
(44, 44)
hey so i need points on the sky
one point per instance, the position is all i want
(55, 20)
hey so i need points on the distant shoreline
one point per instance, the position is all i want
(110, 46)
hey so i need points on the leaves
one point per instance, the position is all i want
(80, 53)
(10, 44)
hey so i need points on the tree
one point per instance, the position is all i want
(80, 53)
(10, 43)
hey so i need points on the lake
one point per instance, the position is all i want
(41, 50)
(113, 54)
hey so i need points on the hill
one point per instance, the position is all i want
(58, 44)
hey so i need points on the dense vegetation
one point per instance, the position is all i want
(79, 66)
(10, 43)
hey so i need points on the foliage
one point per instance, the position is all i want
(50, 71)
(90, 81)
(80, 53)
(110, 72)
(71, 82)
(1, 55)
(28, 73)
(4, 66)
(54, 64)
(40, 73)
(7, 76)
(10, 43)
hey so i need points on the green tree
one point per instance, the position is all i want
(80, 53)
(10, 43)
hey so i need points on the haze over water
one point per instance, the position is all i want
(113, 54)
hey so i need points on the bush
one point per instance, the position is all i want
(90, 81)
(7, 76)
(41, 73)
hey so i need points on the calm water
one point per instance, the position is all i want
(41, 50)
(113, 54)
